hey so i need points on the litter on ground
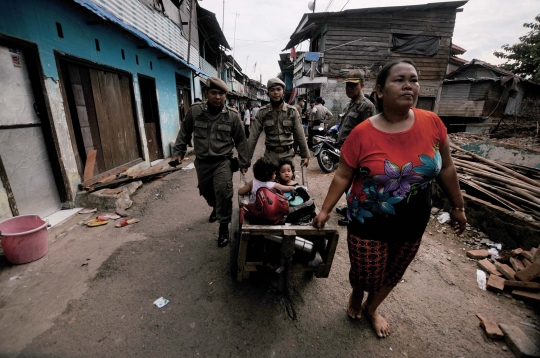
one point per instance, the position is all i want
(161, 302)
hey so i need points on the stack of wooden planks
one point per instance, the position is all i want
(511, 187)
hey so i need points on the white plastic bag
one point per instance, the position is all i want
(444, 217)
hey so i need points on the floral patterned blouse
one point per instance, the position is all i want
(390, 198)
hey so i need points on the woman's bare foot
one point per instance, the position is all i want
(379, 324)
(354, 308)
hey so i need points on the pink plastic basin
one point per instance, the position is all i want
(24, 238)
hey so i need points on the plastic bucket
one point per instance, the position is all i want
(24, 238)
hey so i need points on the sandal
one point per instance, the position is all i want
(88, 210)
(126, 222)
(109, 216)
(96, 222)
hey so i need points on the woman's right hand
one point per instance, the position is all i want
(320, 220)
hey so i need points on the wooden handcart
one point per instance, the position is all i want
(280, 248)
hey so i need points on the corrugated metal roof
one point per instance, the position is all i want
(106, 15)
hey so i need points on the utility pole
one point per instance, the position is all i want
(189, 32)
(234, 41)
(223, 20)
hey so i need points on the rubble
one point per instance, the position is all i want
(491, 328)
(513, 275)
(521, 344)
(478, 254)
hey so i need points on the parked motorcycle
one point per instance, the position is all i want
(321, 131)
(326, 150)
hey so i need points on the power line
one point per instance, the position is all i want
(284, 38)
(329, 4)
(344, 5)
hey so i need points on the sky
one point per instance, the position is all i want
(260, 29)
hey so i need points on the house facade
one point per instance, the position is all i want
(367, 39)
(477, 95)
(115, 76)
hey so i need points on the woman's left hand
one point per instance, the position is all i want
(320, 220)
(458, 220)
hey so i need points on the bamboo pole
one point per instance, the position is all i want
(524, 193)
(496, 197)
(504, 180)
(475, 165)
(511, 196)
(501, 167)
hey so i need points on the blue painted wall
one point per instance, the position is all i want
(35, 21)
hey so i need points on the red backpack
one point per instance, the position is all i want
(270, 207)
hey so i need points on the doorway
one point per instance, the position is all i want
(147, 86)
(26, 170)
(183, 94)
(102, 115)
(426, 103)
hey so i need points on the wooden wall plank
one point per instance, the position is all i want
(460, 108)
(92, 117)
(112, 95)
(90, 165)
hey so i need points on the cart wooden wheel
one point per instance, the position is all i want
(234, 236)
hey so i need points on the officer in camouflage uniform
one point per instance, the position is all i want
(282, 126)
(216, 129)
(358, 109)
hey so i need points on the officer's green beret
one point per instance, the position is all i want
(214, 82)
(275, 82)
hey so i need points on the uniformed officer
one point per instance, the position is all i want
(282, 126)
(216, 129)
(358, 109)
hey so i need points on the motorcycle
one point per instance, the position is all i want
(326, 150)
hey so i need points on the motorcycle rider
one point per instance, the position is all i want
(356, 111)
(319, 113)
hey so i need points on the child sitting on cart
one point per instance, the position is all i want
(286, 174)
(264, 172)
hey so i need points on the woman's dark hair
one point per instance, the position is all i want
(264, 169)
(289, 162)
(383, 76)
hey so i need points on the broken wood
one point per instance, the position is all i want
(530, 286)
(90, 164)
(108, 179)
(125, 180)
(108, 173)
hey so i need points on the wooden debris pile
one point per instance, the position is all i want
(509, 187)
(119, 176)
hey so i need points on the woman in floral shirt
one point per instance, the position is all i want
(390, 160)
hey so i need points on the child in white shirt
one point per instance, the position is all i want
(264, 172)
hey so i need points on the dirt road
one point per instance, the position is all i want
(92, 294)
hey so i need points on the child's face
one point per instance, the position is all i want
(285, 172)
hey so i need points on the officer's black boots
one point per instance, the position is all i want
(213, 216)
(223, 239)
(342, 211)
